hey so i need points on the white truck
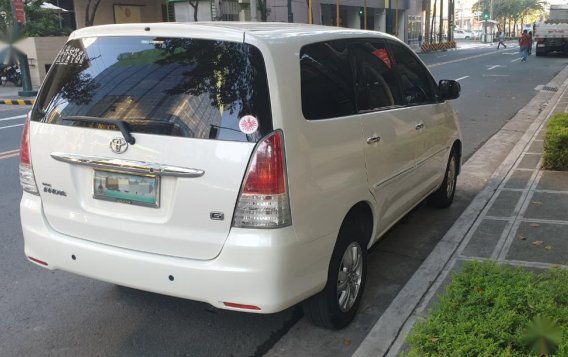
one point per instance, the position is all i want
(552, 34)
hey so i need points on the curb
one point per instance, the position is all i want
(17, 101)
(389, 332)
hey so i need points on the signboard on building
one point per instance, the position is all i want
(19, 12)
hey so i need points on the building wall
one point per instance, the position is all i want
(184, 12)
(41, 51)
(150, 10)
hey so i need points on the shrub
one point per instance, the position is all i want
(496, 310)
(555, 156)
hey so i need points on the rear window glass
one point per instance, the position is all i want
(168, 86)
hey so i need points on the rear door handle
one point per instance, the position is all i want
(419, 126)
(373, 139)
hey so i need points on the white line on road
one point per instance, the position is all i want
(496, 75)
(464, 77)
(9, 153)
(515, 60)
(494, 66)
(14, 118)
(10, 126)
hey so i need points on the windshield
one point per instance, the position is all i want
(168, 86)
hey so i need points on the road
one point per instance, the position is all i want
(60, 314)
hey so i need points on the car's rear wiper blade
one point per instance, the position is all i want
(121, 124)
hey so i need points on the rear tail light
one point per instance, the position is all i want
(27, 178)
(264, 201)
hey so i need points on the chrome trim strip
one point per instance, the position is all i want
(130, 166)
(421, 163)
(385, 181)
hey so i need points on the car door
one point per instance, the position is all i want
(388, 130)
(430, 119)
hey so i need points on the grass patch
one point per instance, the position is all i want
(555, 156)
(496, 310)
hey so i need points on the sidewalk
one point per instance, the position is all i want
(9, 95)
(520, 218)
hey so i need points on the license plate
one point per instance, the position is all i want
(140, 190)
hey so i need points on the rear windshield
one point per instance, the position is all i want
(167, 86)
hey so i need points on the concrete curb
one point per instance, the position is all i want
(389, 333)
(17, 101)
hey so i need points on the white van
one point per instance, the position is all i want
(246, 165)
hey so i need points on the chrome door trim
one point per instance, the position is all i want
(393, 177)
(129, 166)
(422, 162)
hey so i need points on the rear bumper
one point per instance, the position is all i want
(269, 269)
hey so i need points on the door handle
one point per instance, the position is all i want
(373, 139)
(419, 126)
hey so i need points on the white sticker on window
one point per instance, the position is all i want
(248, 124)
(70, 55)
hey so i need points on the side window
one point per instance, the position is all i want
(416, 82)
(327, 82)
(376, 84)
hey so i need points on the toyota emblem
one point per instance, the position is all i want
(118, 145)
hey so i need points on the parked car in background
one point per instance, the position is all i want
(246, 165)
(462, 35)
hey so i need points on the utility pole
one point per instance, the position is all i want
(290, 14)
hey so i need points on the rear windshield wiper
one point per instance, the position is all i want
(121, 124)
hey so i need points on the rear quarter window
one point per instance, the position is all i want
(184, 87)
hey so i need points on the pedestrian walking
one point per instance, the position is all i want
(524, 46)
(501, 37)
(530, 42)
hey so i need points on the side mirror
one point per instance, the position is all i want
(449, 89)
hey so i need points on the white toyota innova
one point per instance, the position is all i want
(249, 166)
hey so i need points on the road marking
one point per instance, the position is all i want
(462, 59)
(509, 53)
(515, 60)
(464, 77)
(14, 118)
(8, 154)
(494, 66)
(496, 75)
(10, 126)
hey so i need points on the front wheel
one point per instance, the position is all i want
(444, 195)
(336, 305)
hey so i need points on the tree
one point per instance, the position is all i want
(39, 22)
(90, 12)
(195, 5)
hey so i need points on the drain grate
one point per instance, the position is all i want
(550, 89)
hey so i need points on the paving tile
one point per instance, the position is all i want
(550, 206)
(529, 161)
(536, 147)
(485, 238)
(519, 179)
(504, 204)
(543, 242)
(554, 181)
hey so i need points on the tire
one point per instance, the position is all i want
(539, 53)
(335, 306)
(444, 195)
